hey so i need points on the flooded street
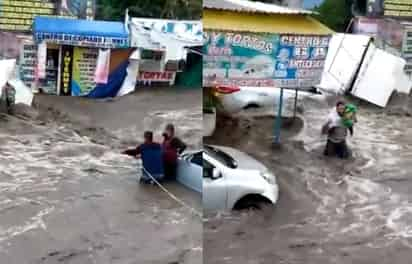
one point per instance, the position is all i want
(68, 196)
(330, 211)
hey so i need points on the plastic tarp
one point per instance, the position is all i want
(24, 94)
(342, 62)
(129, 83)
(114, 84)
(79, 27)
(7, 68)
(173, 36)
(375, 83)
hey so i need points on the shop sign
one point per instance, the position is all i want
(17, 15)
(398, 8)
(82, 41)
(156, 76)
(66, 72)
(267, 60)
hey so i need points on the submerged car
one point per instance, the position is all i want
(231, 179)
(234, 180)
(235, 99)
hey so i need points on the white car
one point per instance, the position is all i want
(234, 180)
(236, 99)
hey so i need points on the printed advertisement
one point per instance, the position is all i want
(267, 60)
(398, 8)
(84, 67)
(28, 63)
(17, 15)
(66, 71)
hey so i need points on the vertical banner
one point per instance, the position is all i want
(101, 75)
(41, 61)
(66, 70)
(84, 67)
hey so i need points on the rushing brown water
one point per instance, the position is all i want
(330, 211)
(68, 196)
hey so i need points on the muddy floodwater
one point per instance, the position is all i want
(329, 211)
(68, 196)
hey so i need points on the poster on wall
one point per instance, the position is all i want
(267, 60)
(66, 70)
(398, 8)
(83, 9)
(84, 67)
(17, 15)
(28, 63)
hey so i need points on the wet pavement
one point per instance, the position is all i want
(330, 211)
(68, 196)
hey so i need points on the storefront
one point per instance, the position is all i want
(76, 57)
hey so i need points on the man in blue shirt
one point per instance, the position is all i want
(152, 158)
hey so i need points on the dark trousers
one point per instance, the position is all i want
(340, 149)
(170, 170)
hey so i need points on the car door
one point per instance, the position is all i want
(189, 172)
(214, 190)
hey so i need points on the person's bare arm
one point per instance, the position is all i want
(135, 152)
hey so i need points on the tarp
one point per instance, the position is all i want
(7, 68)
(111, 89)
(80, 32)
(24, 94)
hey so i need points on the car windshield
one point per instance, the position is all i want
(221, 156)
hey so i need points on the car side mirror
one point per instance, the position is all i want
(216, 174)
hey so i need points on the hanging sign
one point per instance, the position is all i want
(66, 70)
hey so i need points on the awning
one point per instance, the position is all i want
(75, 32)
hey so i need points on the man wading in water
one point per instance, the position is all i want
(172, 147)
(337, 131)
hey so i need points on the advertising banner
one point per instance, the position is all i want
(17, 15)
(84, 67)
(66, 72)
(398, 8)
(28, 63)
(267, 60)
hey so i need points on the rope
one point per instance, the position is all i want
(174, 197)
